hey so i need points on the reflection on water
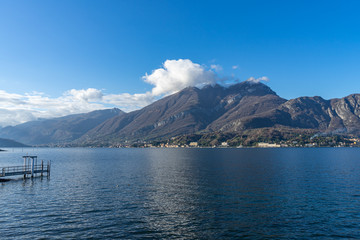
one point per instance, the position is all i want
(174, 194)
(185, 193)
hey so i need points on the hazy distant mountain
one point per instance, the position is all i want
(58, 130)
(10, 143)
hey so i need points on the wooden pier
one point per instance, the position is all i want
(31, 168)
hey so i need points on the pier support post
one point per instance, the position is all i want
(42, 167)
(32, 167)
(24, 167)
(48, 169)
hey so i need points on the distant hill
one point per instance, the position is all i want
(58, 130)
(10, 143)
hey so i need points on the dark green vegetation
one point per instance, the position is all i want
(243, 114)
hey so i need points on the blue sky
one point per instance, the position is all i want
(55, 51)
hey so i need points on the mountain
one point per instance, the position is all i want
(328, 116)
(188, 111)
(10, 143)
(58, 130)
(244, 108)
(237, 108)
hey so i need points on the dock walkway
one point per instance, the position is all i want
(30, 168)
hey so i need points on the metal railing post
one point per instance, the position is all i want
(32, 167)
(42, 167)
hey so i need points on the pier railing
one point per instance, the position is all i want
(25, 170)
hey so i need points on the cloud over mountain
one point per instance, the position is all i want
(90, 94)
(129, 102)
(19, 108)
(176, 75)
(257, 80)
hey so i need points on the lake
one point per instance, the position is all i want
(297, 193)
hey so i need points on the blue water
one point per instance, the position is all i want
(185, 194)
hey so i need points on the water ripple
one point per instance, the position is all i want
(186, 194)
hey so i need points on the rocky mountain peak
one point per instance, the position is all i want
(251, 88)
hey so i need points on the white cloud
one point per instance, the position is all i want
(17, 108)
(235, 67)
(15, 116)
(90, 94)
(216, 67)
(129, 102)
(257, 80)
(176, 75)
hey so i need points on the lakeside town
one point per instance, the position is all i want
(301, 141)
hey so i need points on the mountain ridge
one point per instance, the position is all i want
(57, 130)
(185, 112)
(7, 143)
(213, 108)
